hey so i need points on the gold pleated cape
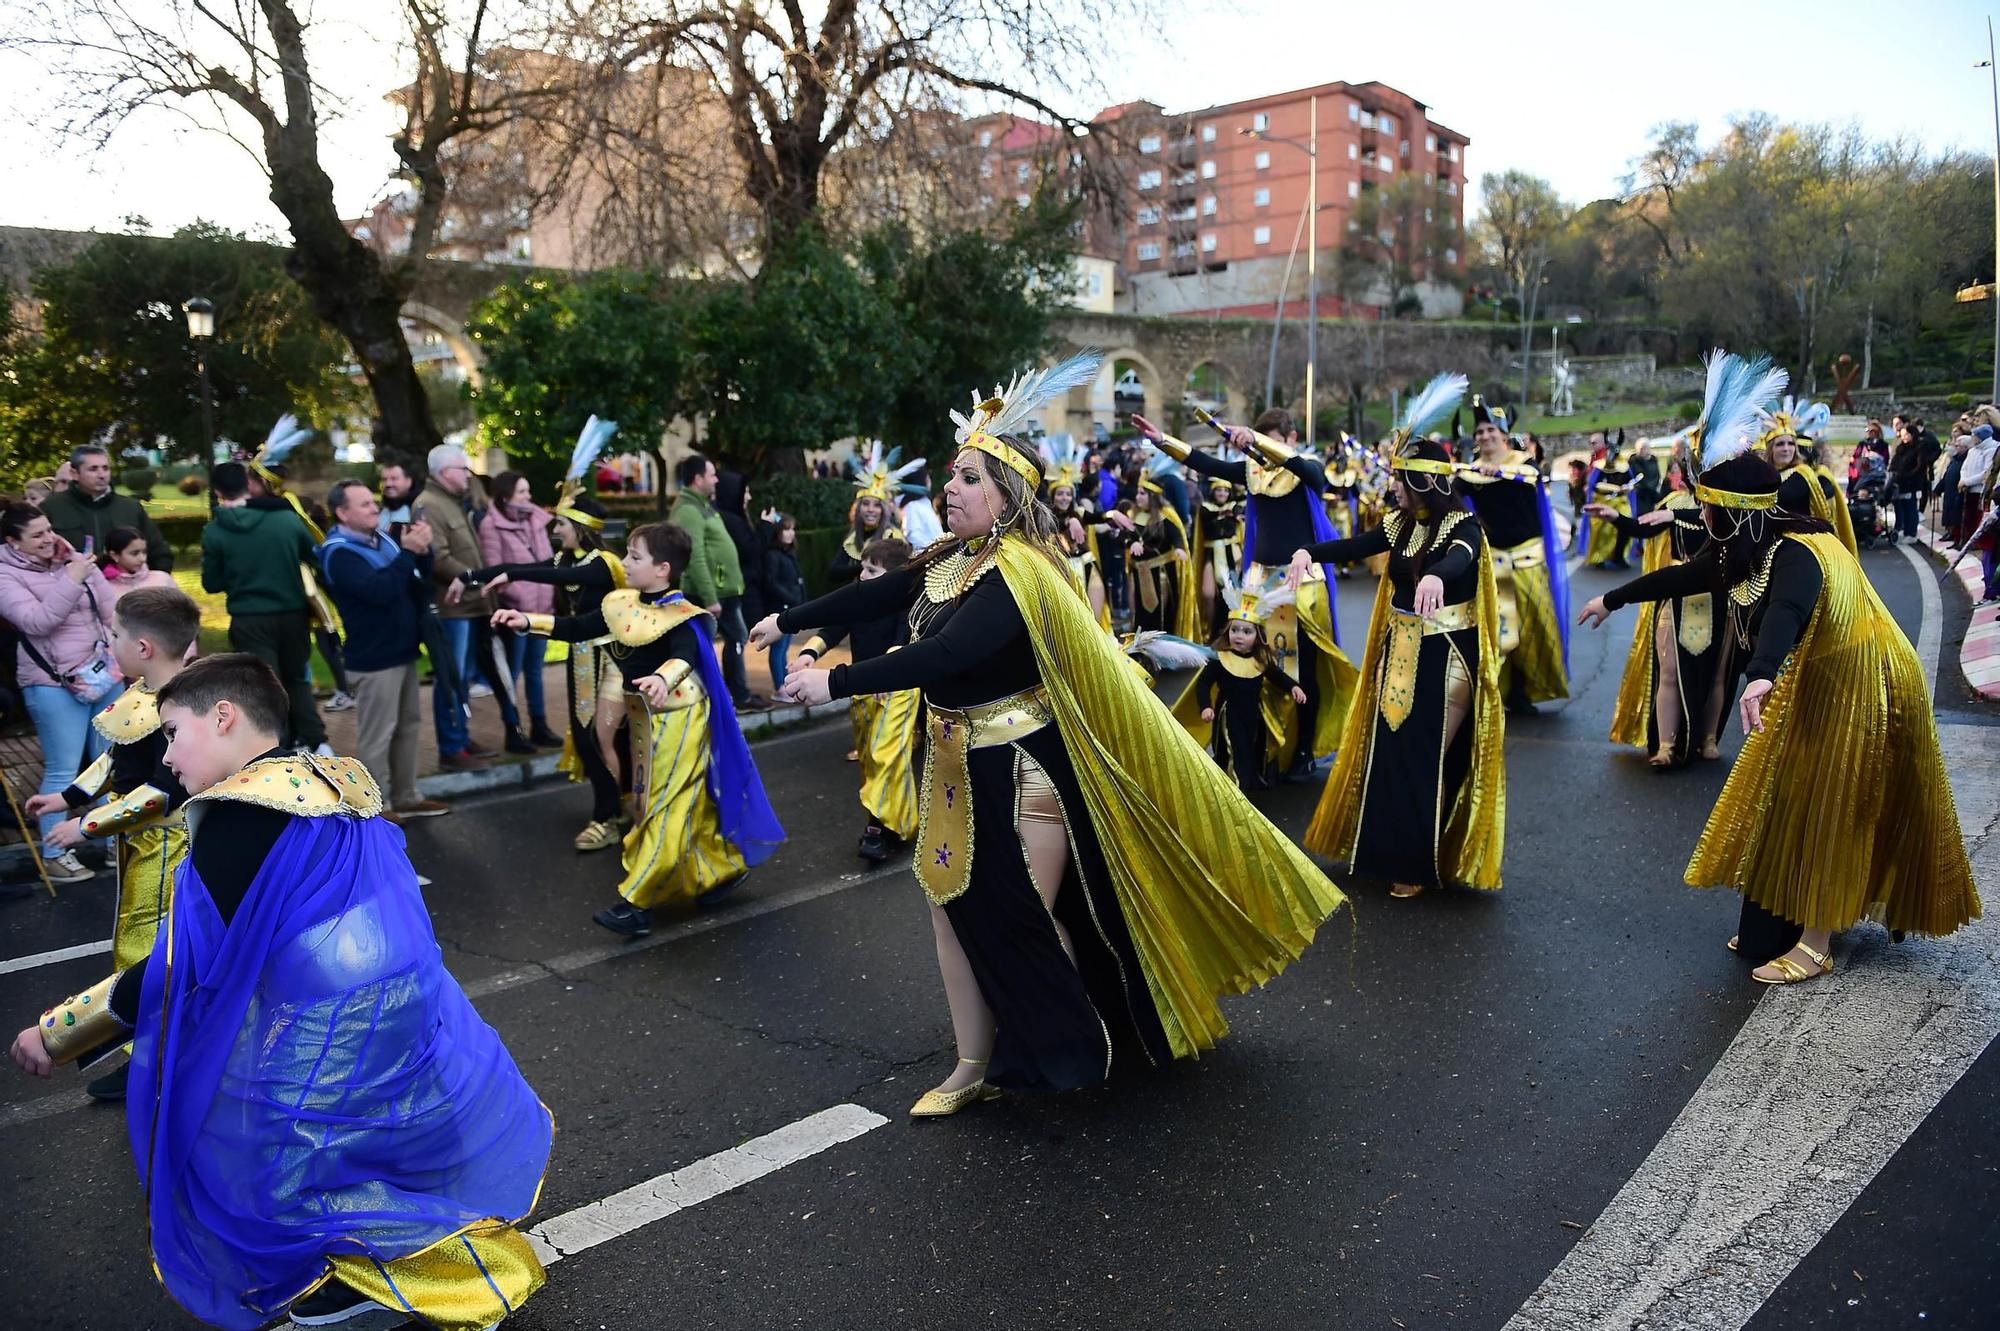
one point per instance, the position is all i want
(1833, 512)
(1839, 808)
(1632, 711)
(1216, 899)
(1475, 830)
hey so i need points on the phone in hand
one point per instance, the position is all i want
(90, 545)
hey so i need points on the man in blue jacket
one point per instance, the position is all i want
(382, 588)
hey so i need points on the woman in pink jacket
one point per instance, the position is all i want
(57, 600)
(516, 531)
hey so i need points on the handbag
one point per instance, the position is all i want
(93, 679)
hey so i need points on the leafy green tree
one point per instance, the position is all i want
(559, 350)
(112, 359)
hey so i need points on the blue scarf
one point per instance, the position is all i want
(741, 807)
(380, 552)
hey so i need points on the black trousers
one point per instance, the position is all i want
(284, 642)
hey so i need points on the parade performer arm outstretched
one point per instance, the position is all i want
(1096, 882)
(1418, 792)
(703, 819)
(321, 1122)
(1836, 711)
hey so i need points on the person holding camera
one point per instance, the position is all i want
(57, 600)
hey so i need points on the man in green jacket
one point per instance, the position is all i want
(251, 553)
(86, 512)
(714, 575)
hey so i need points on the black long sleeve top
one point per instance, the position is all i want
(1284, 524)
(580, 587)
(973, 650)
(1774, 622)
(1455, 563)
(1508, 509)
(678, 643)
(1213, 678)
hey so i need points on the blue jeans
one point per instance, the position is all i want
(525, 654)
(69, 742)
(448, 706)
(780, 650)
(1907, 503)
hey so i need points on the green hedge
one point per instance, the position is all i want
(814, 502)
(817, 549)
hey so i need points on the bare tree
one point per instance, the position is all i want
(233, 65)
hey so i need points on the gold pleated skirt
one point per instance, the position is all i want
(887, 726)
(1632, 711)
(1605, 542)
(1530, 635)
(148, 861)
(466, 1283)
(675, 851)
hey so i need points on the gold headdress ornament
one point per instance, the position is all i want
(877, 475)
(1249, 607)
(1009, 410)
(285, 436)
(589, 446)
(1438, 399)
(1732, 406)
(1062, 462)
(1804, 422)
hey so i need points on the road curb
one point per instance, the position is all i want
(1979, 654)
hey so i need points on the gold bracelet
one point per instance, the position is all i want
(83, 1023)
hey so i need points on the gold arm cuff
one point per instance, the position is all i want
(1177, 449)
(1731, 499)
(93, 779)
(816, 645)
(1429, 465)
(683, 688)
(83, 1023)
(132, 810)
(542, 624)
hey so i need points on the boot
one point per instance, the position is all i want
(517, 742)
(542, 737)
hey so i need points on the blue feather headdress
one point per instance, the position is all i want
(284, 437)
(1805, 423)
(590, 442)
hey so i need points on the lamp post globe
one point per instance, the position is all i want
(201, 331)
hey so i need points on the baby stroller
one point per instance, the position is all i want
(1866, 502)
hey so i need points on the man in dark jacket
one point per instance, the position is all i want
(85, 513)
(251, 553)
(732, 499)
(382, 588)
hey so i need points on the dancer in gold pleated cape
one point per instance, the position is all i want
(1790, 438)
(1509, 493)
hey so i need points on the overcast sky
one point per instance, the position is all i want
(1567, 90)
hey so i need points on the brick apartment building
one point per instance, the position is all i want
(1215, 200)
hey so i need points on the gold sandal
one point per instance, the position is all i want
(1404, 891)
(943, 1104)
(1790, 972)
(1733, 940)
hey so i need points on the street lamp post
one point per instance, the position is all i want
(1311, 150)
(201, 331)
(1991, 64)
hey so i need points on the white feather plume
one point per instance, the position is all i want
(1020, 399)
(285, 436)
(590, 442)
(1164, 651)
(1438, 399)
(1733, 403)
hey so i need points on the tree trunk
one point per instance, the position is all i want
(1868, 324)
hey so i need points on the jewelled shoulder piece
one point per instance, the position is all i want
(635, 622)
(133, 717)
(1749, 591)
(302, 784)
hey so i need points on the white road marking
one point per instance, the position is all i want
(657, 1198)
(50, 958)
(1930, 634)
(1819, 1089)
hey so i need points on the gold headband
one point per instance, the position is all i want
(568, 514)
(1432, 466)
(993, 446)
(1732, 499)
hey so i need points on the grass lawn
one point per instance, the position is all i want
(1588, 420)
(168, 502)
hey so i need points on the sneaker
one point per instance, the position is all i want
(423, 809)
(478, 750)
(111, 1086)
(598, 836)
(874, 845)
(480, 690)
(720, 890)
(67, 868)
(331, 1304)
(625, 918)
(339, 702)
(466, 761)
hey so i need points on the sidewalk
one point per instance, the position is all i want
(1979, 654)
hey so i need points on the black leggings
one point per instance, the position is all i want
(606, 798)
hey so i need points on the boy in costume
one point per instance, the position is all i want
(703, 821)
(322, 1124)
(151, 631)
(886, 724)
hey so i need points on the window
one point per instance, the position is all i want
(1403, 148)
(1454, 152)
(1208, 134)
(1451, 188)
(1262, 198)
(1353, 189)
(1149, 143)
(1183, 214)
(1428, 179)
(1208, 170)
(1263, 161)
(1149, 180)
(1260, 122)
(1021, 174)
(1261, 236)
(1183, 249)
(1387, 124)
(1353, 111)
(1427, 214)
(1353, 151)
(1149, 250)
(986, 138)
(1386, 162)
(1208, 243)
(1208, 205)
(1149, 215)
(1430, 143)
(1450, 255)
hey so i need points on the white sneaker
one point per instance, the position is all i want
(339, 702)
(67, 868)
(480, 690)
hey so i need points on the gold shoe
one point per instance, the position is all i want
(1790, 972)
(943, 1104)
(1733, 940)
(1405, 890)
(598, 836)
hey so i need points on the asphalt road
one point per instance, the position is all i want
(1411, 1128)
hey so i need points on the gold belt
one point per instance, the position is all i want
(1399, 665)
(1001, 721)
(943, 859)
(1528, 554)
(1448, 619)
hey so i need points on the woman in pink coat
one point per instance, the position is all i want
(58, 601)
(516, 531)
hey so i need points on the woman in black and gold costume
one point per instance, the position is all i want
(1418, 793)
(1836, 713)
(1670, 700)
(1096, 883)
(1076, 524)
(1158, 565)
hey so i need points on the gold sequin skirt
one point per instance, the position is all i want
(148, 861)
(676, 850)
